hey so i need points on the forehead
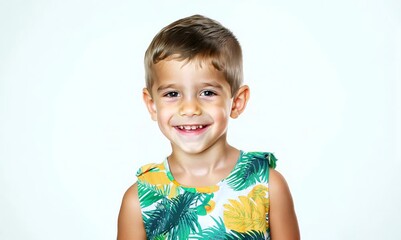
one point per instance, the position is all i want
(174, 70)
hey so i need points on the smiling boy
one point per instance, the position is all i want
(205, 188)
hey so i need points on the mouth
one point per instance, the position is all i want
(191, 128)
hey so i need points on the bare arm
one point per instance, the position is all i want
(130, 223)
(283, 220)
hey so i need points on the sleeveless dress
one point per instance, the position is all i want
(236, 208)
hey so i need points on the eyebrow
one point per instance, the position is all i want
(163, 87)
(208, 84)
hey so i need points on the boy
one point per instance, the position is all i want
(205, 188)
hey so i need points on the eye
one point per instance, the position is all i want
(208, 93)
(171, 94)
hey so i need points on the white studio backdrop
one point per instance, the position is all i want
(325, 98)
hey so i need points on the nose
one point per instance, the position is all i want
(190, 107)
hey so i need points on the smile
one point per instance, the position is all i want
(191, 127)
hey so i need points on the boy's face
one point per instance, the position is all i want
(191, 103)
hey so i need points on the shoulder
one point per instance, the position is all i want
(130, 223)
(131, 195)
(279, 191)
(283, 220)
(277, 181)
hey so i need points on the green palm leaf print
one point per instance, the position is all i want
(177, 216)
(217, 232)
(149, 194)
(253, 167)
(250, 235)
(157, 219)
(184, 216)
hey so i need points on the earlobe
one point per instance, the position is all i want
(150, 104)
(240, 101)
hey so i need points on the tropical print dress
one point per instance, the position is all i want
(236, 208)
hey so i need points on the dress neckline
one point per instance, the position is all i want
(203, 189)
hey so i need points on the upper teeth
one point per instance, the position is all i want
(190, 127)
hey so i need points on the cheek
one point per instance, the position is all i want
(222, 111)
(164, 114)
(163, 120)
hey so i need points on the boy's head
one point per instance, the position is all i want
(197, 38)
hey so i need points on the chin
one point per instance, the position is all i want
(195, 149)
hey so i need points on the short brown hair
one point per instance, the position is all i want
(200, 38)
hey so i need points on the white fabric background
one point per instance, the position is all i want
(325, 86)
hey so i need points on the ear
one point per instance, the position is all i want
(240, 100)
(150, 104)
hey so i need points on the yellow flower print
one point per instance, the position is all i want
(146, 168)
(259, 195)
(248, 212)
(155, 174)
(208, 189)
(155, 178)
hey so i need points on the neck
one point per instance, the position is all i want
(218, 157)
